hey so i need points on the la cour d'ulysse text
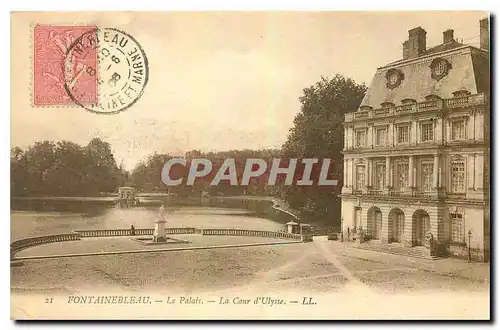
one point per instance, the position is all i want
(185, 300)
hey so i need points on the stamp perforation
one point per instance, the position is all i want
(32, 60)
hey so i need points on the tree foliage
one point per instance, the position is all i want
(146, 176)
(68, 169)
(64, 169)
(318, 133)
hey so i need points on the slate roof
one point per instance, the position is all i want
(441, 48)
(469, 71)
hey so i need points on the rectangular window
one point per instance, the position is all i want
(360, 177)
(457, 228)
(426, 132)
(458, 130)
(458, 177)
(403, 134)
(402, 175)
(427, 176)
(380, 176)
(360, 138)
(381, 137)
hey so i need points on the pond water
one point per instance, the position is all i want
(63, 217)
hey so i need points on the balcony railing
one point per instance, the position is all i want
(381, 112)
(399, 193)
(430, 105)
(406, 108)
(362, 115)
(399, 146)
(375, 192)
(435, 194)
(456, 102)
(425, 194)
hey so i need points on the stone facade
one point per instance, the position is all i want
(417, 151)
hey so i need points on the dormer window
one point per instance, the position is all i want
(365, 107)
(387, 104)
(461, 93)
(432, 97)
(408, 101)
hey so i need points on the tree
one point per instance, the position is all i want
(318, 133)
(146, 176)
(103, 171)
(18, 172)
(39, 158)
(64, 169)
(70, 173)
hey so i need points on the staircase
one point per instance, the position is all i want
(394, 248)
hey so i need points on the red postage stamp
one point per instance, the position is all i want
(56, 71)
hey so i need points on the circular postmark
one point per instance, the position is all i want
(114, 67)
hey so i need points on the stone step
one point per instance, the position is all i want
(415, 252)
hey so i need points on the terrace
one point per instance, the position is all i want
(456, 102)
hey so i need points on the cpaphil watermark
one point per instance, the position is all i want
(292, 171)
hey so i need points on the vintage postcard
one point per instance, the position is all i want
(250, 165)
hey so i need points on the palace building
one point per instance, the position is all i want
(417, 150)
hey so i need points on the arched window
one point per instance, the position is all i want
(458, 174)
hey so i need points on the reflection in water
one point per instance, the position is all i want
(34, 217)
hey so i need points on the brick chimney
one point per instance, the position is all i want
(405, 50)
(484, 34)
(416, 43)
(447, 36)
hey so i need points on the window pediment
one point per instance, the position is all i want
(457, 158)
(461, 93)
(387, 104)
(432, 97)
(408, 101)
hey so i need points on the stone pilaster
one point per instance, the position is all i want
(435, 171)
(388, 172)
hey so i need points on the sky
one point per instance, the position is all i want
(220, 80)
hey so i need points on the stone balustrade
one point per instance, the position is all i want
(112, 232)
(249, 232)
(180, 231)
(128, 232)
(78, 234)
(32, 241)
(456, 102)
